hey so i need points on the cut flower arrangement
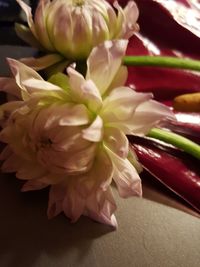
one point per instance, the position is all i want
(77, 128)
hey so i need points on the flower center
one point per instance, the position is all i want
(45, 143)
(79, 2)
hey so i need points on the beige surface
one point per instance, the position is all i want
(149, 234)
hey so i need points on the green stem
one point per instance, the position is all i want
(157, 61)
(176, 140)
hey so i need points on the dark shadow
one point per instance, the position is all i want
(26, 233)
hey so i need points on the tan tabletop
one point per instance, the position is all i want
(158, 231)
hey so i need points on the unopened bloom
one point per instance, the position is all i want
(70, 133)
(69, 29)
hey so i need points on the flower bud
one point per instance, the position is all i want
(73, 28)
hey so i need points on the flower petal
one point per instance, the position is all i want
(116, 141)
(32, 185)
(75, 80)
(147, 115)
(56, 195)
(29, 170)
(60, 26)
(28, 13)
(121, 104)
(62, 115)
(30, 81)
(5, 153)
(61, 163)
(98, 177)
(94, 132)
(119, 79)
(73, 205)
(61, 80)
(88, 194)
(27, 36)
(21, 71)
(9, 86)
(132, 157)
(137, 113)
(84, 91)
(11, 164)
(91, 95)
(127, 18)
(125, 176)
(78, 115)
(100, 206)
(42, 62)
(41, 90)
(104, 62)
(63, 197)
(7, 109)
(40, 18)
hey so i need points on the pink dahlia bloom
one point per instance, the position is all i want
(70, 133)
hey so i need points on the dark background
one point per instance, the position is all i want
(10, 12)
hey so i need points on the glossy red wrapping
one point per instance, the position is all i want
(166, 29)
(172, 167)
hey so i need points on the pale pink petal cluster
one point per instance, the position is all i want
(70, 29)
(70, 133)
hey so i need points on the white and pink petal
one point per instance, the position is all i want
(94, 132)
(40, 20)
(147, 115)
(120, 105)
(116, 141)
(29, 17)
(42, 62)
(84, 91)
(98, 177)
(31, 82)
(56, 196)
(100, 206)
(33, 185)
(125, 176)
(9, 86)
(104, 62)
(126, 20)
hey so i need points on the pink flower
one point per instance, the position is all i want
(61, 28)
(70, 133)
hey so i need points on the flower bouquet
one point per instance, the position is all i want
(78, 120)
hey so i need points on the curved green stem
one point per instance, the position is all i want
(157, 61)
(176, 140)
